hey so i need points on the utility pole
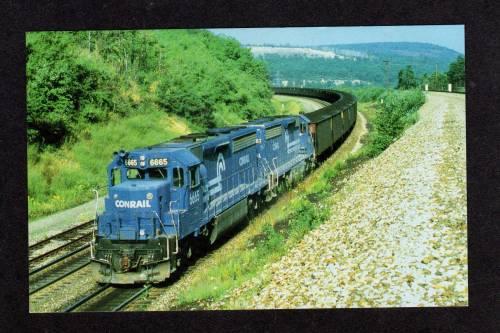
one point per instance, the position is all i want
(350, 74)
(436, 78)
(386, 74)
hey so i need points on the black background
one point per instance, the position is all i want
(482, 48)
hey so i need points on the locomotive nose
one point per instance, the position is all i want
(137, 196)
(132, 212)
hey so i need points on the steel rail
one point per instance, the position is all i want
(131, 298)
(107, 304)
(48, 253)
(48, 282)
(55, 261)
(45, 241)
(86, 298)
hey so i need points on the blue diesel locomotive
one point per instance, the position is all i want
(164, 199)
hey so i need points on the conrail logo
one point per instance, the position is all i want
(132, 204)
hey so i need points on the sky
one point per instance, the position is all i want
(450, 36)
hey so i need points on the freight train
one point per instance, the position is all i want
(163, 200)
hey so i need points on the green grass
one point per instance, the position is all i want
(63, 178)
(369, 110)
(397, 112)
(365, 94)
(286, 107)
(225, 117)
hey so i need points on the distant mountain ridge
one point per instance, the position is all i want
(410, 49)
(351, 64)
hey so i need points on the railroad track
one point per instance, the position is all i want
(64, 242)
(43, 277)
(107, 298)
(70, 249)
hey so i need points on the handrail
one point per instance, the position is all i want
(96, 205)
(165, 231)
(276, 168)
(175, 227)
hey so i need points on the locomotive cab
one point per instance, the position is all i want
(151, 200)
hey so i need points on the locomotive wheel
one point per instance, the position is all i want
(253, 208)
(256, 204)
(189, 252)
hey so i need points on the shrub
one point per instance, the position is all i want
(365, 94)
(397, 112)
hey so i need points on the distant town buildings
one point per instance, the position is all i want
(326, 53)
(323, 82)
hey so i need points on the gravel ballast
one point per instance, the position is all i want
(397, 236)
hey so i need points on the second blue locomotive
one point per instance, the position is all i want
(164, 199)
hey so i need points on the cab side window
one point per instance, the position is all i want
(194, 176)
(157, 173)
(178, 177)
(115, 177)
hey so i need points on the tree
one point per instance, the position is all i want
(438, 81)
(424, 80)
(456, 72)
(406, 78)
(77, 78)
(61, 87)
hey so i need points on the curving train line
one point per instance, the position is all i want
(325, 121)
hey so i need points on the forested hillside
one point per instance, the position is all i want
(92, 93)
(76, 78)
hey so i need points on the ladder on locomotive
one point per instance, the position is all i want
(174, 215)
(272, 178)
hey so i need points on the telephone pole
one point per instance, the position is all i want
(436, 79)
(386, 74)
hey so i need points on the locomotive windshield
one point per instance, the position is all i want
(152, 173)
(136, 174)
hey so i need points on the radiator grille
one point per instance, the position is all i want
(273, 132)
(244, 142)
